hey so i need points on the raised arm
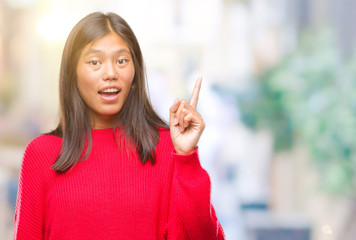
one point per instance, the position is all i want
(191, 214)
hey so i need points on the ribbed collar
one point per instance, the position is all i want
(106, 132)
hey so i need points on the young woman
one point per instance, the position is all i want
(112, 169)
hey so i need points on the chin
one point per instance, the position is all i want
(108, 112)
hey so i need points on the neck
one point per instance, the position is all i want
(104, 122)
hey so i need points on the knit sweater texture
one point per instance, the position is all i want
(112, 195)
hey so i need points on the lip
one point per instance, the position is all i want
(109, 98)
(102, 89)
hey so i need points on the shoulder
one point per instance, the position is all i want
(44, 142)
(163, 130)
(165, 150)
(165, 142)
(44, 148)
(164, 134)
(39, 155)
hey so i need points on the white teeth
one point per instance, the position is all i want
(110, 90)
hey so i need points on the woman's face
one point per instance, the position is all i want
(105, 72)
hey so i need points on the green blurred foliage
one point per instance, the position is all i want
(310, 97)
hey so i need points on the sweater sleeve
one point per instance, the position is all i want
(191, 214)
(29, 212)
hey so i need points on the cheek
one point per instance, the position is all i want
(132, 73)
(81, 80)
(86, 82)
(82, 88)
(128, 76)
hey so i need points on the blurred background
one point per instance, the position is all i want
(277, 97)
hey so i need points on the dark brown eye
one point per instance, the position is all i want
(94, 63)
(122, 61)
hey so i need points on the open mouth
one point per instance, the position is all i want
(109, 92)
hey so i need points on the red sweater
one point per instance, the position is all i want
(112, 195)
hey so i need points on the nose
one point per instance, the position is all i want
(109, 72)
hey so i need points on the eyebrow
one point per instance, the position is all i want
(97, 51)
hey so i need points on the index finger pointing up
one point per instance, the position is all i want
(195, 95)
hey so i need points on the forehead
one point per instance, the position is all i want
(109, 42)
